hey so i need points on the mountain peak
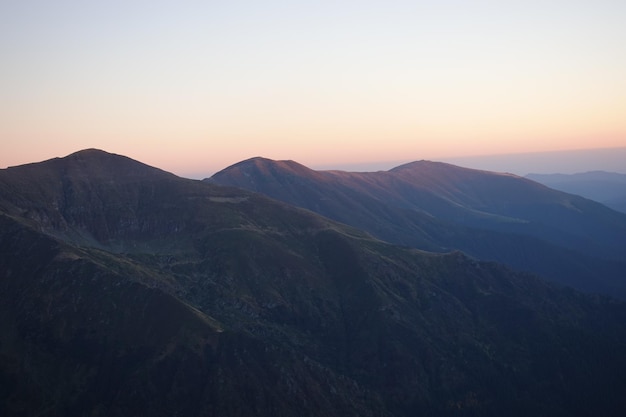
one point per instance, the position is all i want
(262, 163)
(252, 169)
(418, 164)
(425, 166)
(90, 152)
(94, 163)
(166, 295)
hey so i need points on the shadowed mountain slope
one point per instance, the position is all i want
(441, 207)
(130, 291)
(608, 188)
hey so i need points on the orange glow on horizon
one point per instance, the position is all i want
(212, 90)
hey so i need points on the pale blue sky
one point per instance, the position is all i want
(192, 86)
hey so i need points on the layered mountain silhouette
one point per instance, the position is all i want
(608, 188)
(125, 290)
(441, 207)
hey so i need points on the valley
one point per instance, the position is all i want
(126, 290)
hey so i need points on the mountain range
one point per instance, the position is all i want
(608, 188)
(440, 207)
(126, 290)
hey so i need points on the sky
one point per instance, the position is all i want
(195, 86)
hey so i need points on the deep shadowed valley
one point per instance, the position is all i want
(126, 290)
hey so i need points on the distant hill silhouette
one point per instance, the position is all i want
(125, 290)
(442, 207)
(608, 188)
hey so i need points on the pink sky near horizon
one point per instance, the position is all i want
(193, 87)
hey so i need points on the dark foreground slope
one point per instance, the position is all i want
(129, 291)
(440, 207)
